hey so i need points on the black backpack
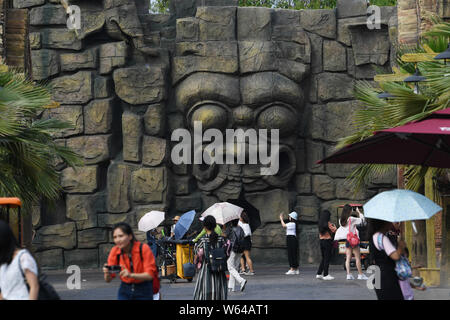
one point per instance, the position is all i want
(217, 258)
(46, 290)
(237, 239)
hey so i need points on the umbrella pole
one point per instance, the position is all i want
(431, 241)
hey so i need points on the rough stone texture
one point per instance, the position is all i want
(324, 187)
(187, 203)
(50, 259)
(60, 39)
(35, 41)
(155, 120)
(103, 87)
(270, 236)
(183, 185)
(154, 151)
(83, 210)
(254, 24)
(80, 180)
(334, 86)
(303, 183)
(149, 185)
(343, 28)
(334, 56)
(106, 220)
(217, 23)
(314, 152)
(84, 258)
(119, 178)
(90, 238)
(351, 8)
(132, 130)
(70, 114)
(309, 253)
(370, 46)
(45, 63)
(270, 204)
(307, 208)
(94, 149)
(98, 116)
(112, 55)
(19, 4)
(48, 14)
(57, 236)
(75, 61)
(137, 85)
(321, 22)
(73, 89)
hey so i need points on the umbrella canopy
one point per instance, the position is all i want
(250, 210)
(150, 220)
(223, 212)
(183, 225)
(400, 205)
(425, 143)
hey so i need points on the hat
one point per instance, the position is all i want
(293, 215)
(176, 218)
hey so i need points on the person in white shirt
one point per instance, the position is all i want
(246, 259)
(347, 224)
(12, 260)
(291, 241)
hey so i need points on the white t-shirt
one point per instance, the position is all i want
(341, 232)
(12, 283)
(246, 228)
(291, 229)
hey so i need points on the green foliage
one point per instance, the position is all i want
(159, 6)
(27, 149)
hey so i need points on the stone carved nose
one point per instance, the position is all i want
(243, 116)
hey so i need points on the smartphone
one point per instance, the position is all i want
(114, 269)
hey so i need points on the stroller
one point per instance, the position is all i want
(174, 257)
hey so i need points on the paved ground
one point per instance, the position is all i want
(269, 283)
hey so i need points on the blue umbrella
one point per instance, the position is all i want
(400, 205)
(183, 225)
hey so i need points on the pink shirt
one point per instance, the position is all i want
(387, 244)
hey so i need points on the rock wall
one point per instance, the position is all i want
(129, 78)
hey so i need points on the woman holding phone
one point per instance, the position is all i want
(137, 270)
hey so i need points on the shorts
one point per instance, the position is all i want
(347, 244)
(247, 243)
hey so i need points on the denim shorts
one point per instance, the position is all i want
(136, 291)
(347, 244)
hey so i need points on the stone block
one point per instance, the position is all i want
(112, 55)
(155, 120)
(75, 61)
(351, 8)
(183, 185)
(80, 179)
(257, 56)
(73, 115)
(270, 204)
(73, 89)
(154, 151)
(149, 185)
(310, 253)
(118, 181)
(285, 17)
(44, 63)
(345, 190)
(132, 131)
(314, 152)
(307, 208)
(19, 4)
(320, 21)
(370, 46)
(254, 23)
(90, 238)
(316, 52)
(94, 149)
(141, 84)
(334, 56)
(334, 86)
(324, 187)
(48, 15)
(343, 28)
(60, 39)
(187, 203)
(50, 259)
(56, 236)
(303, 183)
(98, 116)
(92, 20)
(108, 220)
(103, 87)
(187, 29)
(81, 209)
(269, 236)
(84, 258)
(217, 23)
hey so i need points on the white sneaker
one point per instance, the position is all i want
(319, 276)
(290, 272)
(249, 273)
(297, 271)
(350, 277)
(328, 277)
(362, 277)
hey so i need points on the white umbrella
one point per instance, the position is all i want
(150, 220)
(223, 212)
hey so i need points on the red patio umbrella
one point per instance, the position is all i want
(425, 142)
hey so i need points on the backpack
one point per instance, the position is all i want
(352, 238)
(237, 239)
(217, 258)
(46, 290)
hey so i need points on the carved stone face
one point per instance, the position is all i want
(241, 68)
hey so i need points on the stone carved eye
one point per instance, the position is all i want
(211, 114)
(277, 116)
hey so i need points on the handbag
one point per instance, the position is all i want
(46, 290)
(402, 266)
(188, 267)
(352, 238)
